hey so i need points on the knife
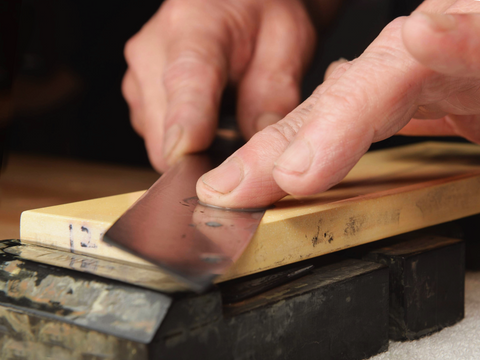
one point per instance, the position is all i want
(169, 227)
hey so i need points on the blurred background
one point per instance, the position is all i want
(65, 61)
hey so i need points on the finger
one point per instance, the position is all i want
(447, 43)
(467, 126)
(245, 179)
(316, 145)
(334, 66)
(144, 92)
(270, 87)
(371, 101)
(185, 55)
(428, 127)
(131, 93)
(194, 78)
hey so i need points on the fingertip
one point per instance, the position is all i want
(155, 156)
(245, 179)
(414, 27)
(206, 194)
(171, 139)
(227, 186)
(225, 178)
(189, 127)
(435, 22)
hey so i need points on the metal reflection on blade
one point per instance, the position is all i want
(170, 228)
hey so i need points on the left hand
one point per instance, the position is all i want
(421, 76)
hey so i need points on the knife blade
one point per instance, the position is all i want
(169, 227)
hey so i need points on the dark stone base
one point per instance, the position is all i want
(427, 282)
(338, 311)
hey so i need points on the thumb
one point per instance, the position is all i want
(249, 170)
(446, 43)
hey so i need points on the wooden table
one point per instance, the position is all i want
(30, 182)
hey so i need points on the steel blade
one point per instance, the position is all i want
(170, 228)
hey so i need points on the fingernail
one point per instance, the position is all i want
(438, 22)
(296, 159)
(171, 139)
(267, 119)
(225, 178)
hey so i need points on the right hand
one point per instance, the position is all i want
(184, 56)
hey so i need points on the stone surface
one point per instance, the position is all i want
(426, 283)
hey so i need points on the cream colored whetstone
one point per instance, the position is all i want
(387, 193)
(79, 227)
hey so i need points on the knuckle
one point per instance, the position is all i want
(388, 48)
(174, 12)
(428, 112)
(341, 99)
(339, 68)
(155, 156)
(283, 80)
(282, 85)
(131, 49)
(344, 66)
(283, 132)
(289, 127)
(191, 69)
(351, 103)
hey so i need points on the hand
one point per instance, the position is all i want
(421, 67)
(181, 60)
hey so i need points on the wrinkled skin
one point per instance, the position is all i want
(421, 76)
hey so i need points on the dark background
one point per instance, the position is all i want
(68, 65)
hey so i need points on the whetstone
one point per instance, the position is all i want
(388, 192)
